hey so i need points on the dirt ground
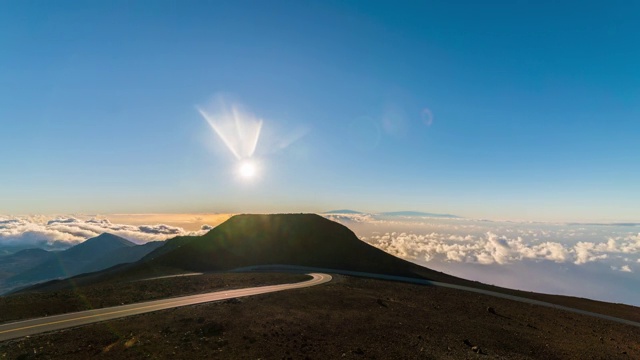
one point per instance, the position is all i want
(113, 293)
(349, 318)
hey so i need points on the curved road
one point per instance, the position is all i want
(35, 326)
(435, 283)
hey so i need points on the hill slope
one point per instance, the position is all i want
(11, 265)
(95, 254)
(293, 239)
(122, 255)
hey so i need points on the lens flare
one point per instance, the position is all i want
(427, 117)
(238, 130)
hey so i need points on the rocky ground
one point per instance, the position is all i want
(349, 318)
(127, 291)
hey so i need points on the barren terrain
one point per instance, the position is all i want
(347, 318)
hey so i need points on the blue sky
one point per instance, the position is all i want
(535, 107)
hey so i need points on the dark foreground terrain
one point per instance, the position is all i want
(349, 318)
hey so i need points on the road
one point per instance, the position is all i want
(35, 326)
(439, 284)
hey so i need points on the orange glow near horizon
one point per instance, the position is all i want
(189, 222)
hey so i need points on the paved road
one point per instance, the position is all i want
(435, 283)
(40, 325)
(35, 326)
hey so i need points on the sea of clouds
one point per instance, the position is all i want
(63, 232)
(599, 261)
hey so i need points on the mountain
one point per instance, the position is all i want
(23, 260)
(392, 213)
(293, 239)
(94, 254)
(418, 214)
(6, 250)
(122, 255)
(345, 211)
(308, 240)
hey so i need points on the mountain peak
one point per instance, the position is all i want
(342, 211)
(417, 214)
(293, 239)
(104, 237)
(100, 244)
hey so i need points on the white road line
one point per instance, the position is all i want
(35, 326)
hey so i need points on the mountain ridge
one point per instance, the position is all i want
(94, 254)
(293, 239)
(391, 213)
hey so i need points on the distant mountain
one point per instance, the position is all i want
(391, 213)
(418, 214)
(292, 239)
(6, 250)
(308, 240)
(11, 265)
(122, 255)
(94, 254)
(342, 212)
(39, 244)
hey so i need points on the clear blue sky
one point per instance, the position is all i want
(535, 106)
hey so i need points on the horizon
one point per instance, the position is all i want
(516, 265)
(164, 217)
(532, 256)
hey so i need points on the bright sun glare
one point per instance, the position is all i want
(247, 169)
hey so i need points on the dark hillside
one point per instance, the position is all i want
(23, 260)
(95, 254)
(122, 255)
(292, 239)
(11, 265)
(300, 239)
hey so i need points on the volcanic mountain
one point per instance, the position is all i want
(94, 254)
(23, 260)
(292, 239)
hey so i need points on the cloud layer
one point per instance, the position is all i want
(486, 242)
(599, 261)
(623, 252)
(63, 232)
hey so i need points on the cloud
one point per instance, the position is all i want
(63, 232)
(587, 252)
(623, 268)
(586, 260)
(491, 248)
(349, 218)
(160, 229)
(428, 240)
(62, 221)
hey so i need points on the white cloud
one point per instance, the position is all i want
(488, 248)
(586, 260)
(349, 218)
(63, 232)
(587, 252)
(623, 268)
(500, 243)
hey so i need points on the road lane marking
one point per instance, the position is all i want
(169, 303)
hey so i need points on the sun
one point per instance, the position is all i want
(247, 170)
